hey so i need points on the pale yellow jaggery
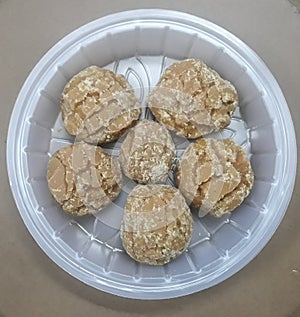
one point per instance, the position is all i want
(157, 224)
(147, 153)
(98, 106)
(83, 178)
(192, 99)
(214, 176)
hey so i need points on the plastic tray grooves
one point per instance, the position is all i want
(163, 65)
(231, 132)
(110, 45)
(46, 207)
(108, 263)
(239, 74)
(245, 233)
(50, 98)
(58, 232)
(37, 179)
(167, 274)
(85, 55)
(137, 272)
(223, 253)
(81, 254)
(63, 73)
(163, 43)
(40, 123)
(249, 100)
(216, 57)
(190, 257)
(251, 203)
(192, 40)
(145, 69)
(131, 72)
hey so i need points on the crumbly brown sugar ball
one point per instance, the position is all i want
(98, 106)
(157, 224)
(192, 99)
(83, 178)
(214, 175)
(147, 153)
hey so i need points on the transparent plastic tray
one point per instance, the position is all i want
(140, 44)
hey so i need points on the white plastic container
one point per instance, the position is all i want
(140, 44)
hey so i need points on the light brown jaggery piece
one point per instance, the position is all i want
(157, 224)
(214, 176)
(98, 106)
(83, 178)
(192, 99)
(147, 153)
(239, 160)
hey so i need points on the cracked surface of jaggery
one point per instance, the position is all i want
(83, 178)
(234, 198)
(147, 153)
(192, 99)
(214, 176)
(98, 106)
(157, 224)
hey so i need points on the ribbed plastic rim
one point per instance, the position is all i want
(288, 142)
